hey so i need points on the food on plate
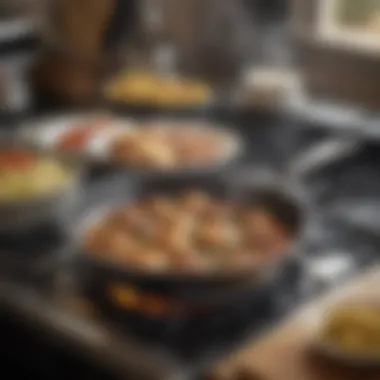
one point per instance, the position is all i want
(161, 146)
(143, 151)
(354, 328)
(191, 231)
(78, 136)
(24, 175)
(155, 90)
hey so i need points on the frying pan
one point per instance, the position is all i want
(198, 288)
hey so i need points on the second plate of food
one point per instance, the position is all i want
(173, 146)
(155, 146)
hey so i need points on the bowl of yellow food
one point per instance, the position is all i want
(350, 332)
(34, 190)
(139, 89)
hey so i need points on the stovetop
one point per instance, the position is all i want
(56, 304)
(188, 343)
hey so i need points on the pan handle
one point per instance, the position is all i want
(310, 161)
(319, 156)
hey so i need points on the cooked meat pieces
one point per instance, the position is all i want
(259, 221)
(195, 148)
(263, 232)
(167, 146)
(218, 210)
(218, 235)
(244, 260)
(174, 234)
(194, 201)
(160, 206)
(188, 232)
(189, 259)
(131, 220)
(110, 243)
(150, 258)
(153, 154)
(148, 152)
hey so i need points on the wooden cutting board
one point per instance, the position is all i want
(285, 353)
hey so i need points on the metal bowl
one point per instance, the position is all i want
(192, 287)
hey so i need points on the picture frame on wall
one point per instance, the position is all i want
(355, 23)
(337, 49)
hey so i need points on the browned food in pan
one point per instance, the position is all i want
(188, 232)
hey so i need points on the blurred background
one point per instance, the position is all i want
(298, 80)
(224, 45)
(63, 42)
(65, 54)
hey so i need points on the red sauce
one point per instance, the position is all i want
(78, 137)
(16, 159)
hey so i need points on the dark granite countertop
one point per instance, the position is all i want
(53, 305)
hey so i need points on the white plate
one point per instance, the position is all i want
(45, 133)
(233, 144)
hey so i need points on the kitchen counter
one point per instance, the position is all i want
(50, 302)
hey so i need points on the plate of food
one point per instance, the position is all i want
(34, 189)
(171, 146)
(73, 134)
(164, 146)
(349, 332)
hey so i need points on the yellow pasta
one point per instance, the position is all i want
(41, 178)
(354, 329)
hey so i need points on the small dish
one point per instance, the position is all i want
(43, 202)
(351, 314)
